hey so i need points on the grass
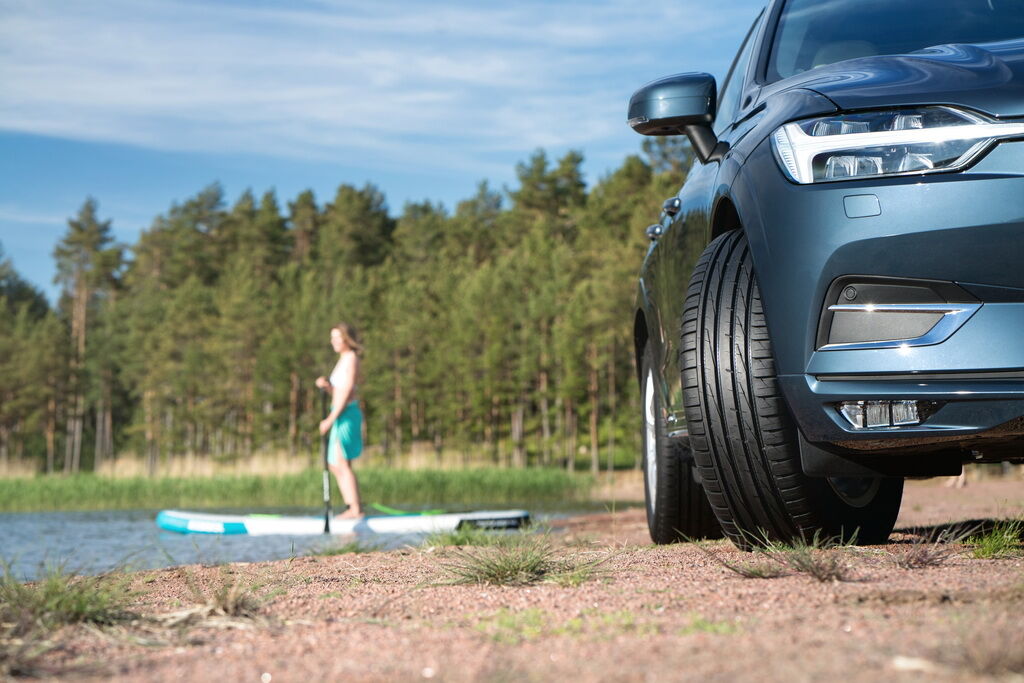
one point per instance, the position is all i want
(700, 624)
(352, 547)
(1003, 540)
(30, 612)
(477, 537)
(61, 597)
(932, 551)
(233, 602)
(388, 486)
(513, 627)
(819, 558)
(764, 568)
(527, 560)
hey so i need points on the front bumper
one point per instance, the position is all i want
(965, 228)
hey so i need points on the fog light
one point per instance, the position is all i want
(880, 414)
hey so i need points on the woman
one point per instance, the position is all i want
(345, 421)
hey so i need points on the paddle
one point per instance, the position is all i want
(327, 475)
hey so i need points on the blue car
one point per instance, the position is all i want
(834, 301)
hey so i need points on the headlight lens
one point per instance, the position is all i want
(885, 143)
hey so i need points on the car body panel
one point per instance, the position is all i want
(988, 78)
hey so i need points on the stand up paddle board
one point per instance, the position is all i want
(266, 525)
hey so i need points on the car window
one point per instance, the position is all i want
(812, 33)
(729, 96)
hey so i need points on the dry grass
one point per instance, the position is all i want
(823, 559)
(530, 560)
(234, 602)
(765, 568)
(932, 550)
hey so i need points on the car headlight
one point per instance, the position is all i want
(885, 143)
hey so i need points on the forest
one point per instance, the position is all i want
(501, 328)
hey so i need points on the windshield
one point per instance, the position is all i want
(813, 33)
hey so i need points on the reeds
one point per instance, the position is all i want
(404, 487)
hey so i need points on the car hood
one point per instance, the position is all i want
(987, 77)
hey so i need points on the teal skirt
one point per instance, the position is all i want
(346, 438)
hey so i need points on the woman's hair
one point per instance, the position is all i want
(351, 337)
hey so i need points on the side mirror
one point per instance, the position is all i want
(675, 105)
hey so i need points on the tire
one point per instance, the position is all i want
(677, 508)
(743, 437)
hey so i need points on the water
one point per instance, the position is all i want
(97, 541)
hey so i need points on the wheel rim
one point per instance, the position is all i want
(650, 440)
(855, 491)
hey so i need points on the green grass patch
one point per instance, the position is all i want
(1003, 540)
(512, 627)
(700, 624)
(29, 612)
(350, 548)
(390, 487)
(475, 536)
(61, 597)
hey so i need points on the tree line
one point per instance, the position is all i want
(501, 327)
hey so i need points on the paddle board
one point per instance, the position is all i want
(265, 525)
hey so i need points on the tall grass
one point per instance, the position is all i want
(401, 487)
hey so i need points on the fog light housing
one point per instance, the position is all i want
(880, 414)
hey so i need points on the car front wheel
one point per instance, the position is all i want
(743, 438)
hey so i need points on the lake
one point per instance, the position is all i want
(96, 541)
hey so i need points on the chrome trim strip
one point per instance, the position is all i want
(994, 376)
(953, 316)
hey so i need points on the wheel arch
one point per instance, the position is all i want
(725, 217)
(640, 337)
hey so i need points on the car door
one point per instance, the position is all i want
(686, 232)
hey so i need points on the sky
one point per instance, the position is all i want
(142, 103)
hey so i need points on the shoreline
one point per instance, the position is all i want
(641, 612)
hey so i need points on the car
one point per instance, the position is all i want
(834, 301)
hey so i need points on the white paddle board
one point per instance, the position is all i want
(265, 525)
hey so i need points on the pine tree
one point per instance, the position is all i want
(87, 265)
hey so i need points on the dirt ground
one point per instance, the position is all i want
(649, 613)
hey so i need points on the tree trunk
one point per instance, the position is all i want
(151, 445)
(611, 407)
(97, 459)
(519, 449)
(5, 436)
(397, 426)
(545, 422)
(592, 388)
(51, 433)
(414, 418)
(79, 320)
(495, 416)
(570, 425)
(489, 444)
(19, 443)
(293, 415)
(307, 435)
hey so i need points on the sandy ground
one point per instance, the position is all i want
(650, 613)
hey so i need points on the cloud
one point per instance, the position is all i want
(10, 213)
(393, 82)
